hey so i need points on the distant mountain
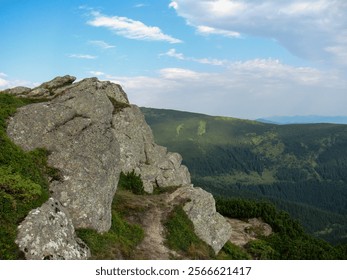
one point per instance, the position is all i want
(304, 119)
(302, 168)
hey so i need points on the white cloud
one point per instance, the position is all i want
(179, 74)
(96, 73)
(181, 56)
(130, 28)
(82, 56)
(8, 82)
(173, 4)
(207, 30)
(246, 89)
(310, 29)
(3, 83)
(173, 53)
(101, 44)
(140, 5)
(210, 61)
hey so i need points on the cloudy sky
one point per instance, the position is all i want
(240, 58)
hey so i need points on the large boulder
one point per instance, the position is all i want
(157, 166)
(209, 225)
(47, 233)
(76, 129)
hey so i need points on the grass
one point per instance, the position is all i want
(118, 243)
(23, 180)
(123, 237)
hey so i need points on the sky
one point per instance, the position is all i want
(239, 58)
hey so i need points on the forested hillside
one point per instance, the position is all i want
(300, 168)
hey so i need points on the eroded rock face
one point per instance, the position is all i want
(75, 127)
(209, 225)
(47, 233)
(158, 168)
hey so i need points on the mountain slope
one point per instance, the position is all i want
(295, 166)
(304, 119)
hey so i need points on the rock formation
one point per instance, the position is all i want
(92, 133)
(209, 225)
(76, 129)
(157, 167)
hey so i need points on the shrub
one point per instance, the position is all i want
(131, 181)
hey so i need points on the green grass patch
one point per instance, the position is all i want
(118, 243)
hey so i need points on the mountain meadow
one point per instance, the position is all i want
(300, 168)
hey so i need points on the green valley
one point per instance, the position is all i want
(302, 168)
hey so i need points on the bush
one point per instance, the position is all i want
(132, 182)
(231, 251)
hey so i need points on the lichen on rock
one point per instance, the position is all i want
(47, 233)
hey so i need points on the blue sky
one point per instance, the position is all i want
(240, 58)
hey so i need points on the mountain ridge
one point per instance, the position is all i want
(305, 119)
(296, 163)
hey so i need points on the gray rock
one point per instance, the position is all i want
(157, 167)
(58, 82)
(17, 91)
(209, 225)
(47, 233)
(76, 129)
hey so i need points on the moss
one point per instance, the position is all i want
(117, 105)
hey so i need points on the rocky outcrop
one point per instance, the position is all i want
(209, 225)
(92, 133)
(47, 233)
(76, 130)
(157, 167)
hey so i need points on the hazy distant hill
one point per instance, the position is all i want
(301, 168)
(304, 119)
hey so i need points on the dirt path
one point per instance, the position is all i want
(154, 212)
